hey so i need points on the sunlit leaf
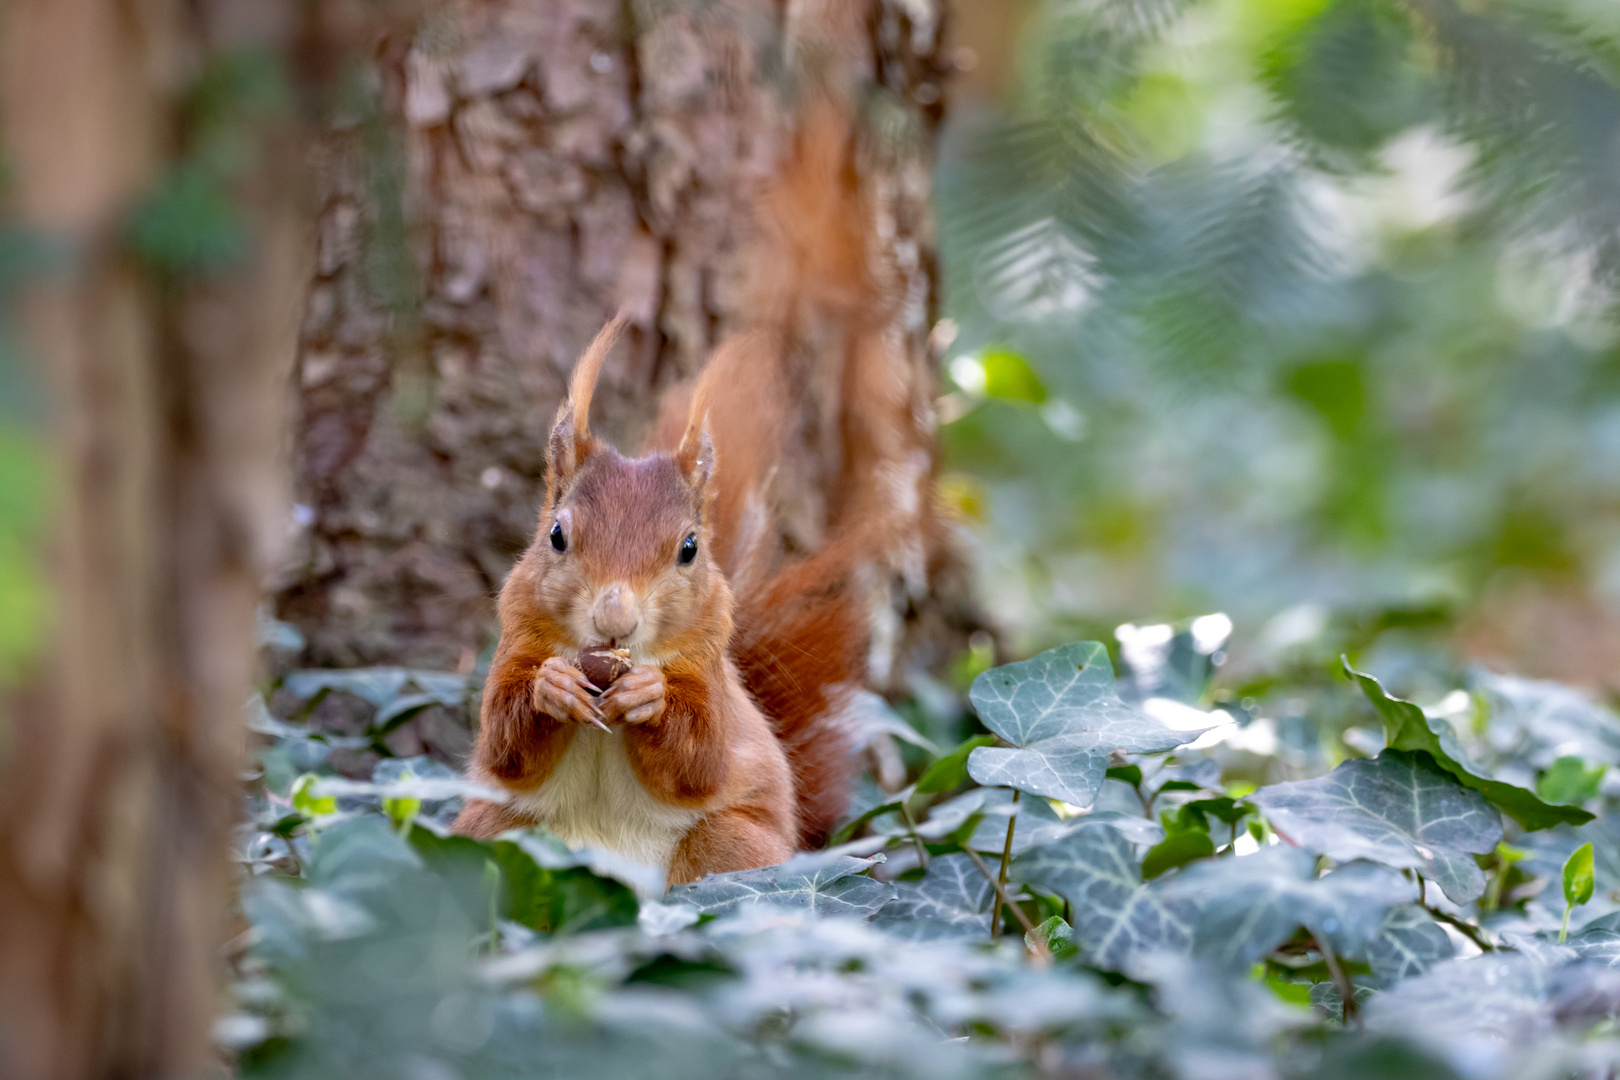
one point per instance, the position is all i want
(307, 801)
(1578, 877)
(1173, 662)
(1060, 712)
(1008, 376)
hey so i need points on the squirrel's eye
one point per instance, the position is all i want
(559, 542)
(688, 549)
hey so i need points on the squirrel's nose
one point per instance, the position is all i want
(616, 612)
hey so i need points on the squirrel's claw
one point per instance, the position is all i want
(560, 691)
(635, 697)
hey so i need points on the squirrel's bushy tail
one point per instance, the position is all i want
(822, 423)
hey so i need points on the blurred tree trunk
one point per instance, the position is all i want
(530, 168)
(120, 761)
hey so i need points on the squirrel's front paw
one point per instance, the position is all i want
(635, 697)
(562, 692)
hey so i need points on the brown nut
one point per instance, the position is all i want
(602, 666)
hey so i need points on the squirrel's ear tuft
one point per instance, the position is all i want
(571, 441)
(696, 455)
(583, 384)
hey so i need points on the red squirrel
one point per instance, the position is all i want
(726, 745)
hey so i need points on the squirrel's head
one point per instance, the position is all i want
(621, 555)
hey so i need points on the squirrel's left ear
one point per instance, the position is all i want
(696, 454)
(571, 440)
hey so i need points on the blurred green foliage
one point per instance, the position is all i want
(25, 468)
(1320, 294)
(24, 490)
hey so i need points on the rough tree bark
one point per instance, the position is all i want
(556, 160)
(120, 758)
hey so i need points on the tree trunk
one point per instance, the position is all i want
(120, 762)
(550, 162)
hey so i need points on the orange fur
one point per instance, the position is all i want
(486, 820)
(622, 522)
(740, 838)
(684, 759)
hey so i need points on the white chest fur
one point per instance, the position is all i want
(593, 799)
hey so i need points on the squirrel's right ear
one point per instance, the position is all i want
(571, 441)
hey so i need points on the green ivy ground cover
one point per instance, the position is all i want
(1162, 920)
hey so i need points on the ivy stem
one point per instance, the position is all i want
(999, 921)
(1147, 804)
(911, 826)
(1563, 929)
(1493, 892)
(1347, 990)
(1473, 933)
(1001, 894)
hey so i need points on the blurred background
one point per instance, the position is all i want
(1299, 311)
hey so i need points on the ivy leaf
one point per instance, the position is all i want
(1115, 915)
(310, 802)
(1495, 996)
(539, 882)
(1598, 941)
(822, 883)
(399, 711)
(1037, 823)
(1177, 849)
(1568, 782)
(401, 810)
(1541, 722)
(1579, 879)
(872, 716)
(1248, 905)
(1056, 935)
(378, 686)
(1126, 774)
(1399, 809)
(1063, 717)
(1173, 662)
(952, 900)
(950, 771)
(1407, 728)
(1223, 808)
(1409, 943)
